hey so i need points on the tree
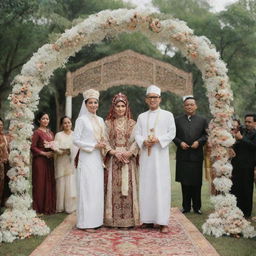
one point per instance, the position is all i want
(20, 35)
(72, 11)
(28, 24)
(233, 33)
(238, 48)
(250, 5)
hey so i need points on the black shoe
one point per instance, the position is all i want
(198, 212)
(184, 211)
(147, 225)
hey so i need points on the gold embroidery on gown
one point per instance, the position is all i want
(121, 195)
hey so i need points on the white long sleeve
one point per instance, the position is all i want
(78, 139)
(167, 137)
(139, 133)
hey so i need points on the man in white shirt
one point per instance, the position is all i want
(155, 130)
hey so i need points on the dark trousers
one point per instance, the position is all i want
(191, 194)
(6, 192)
(242, 188)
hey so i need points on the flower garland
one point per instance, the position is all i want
(19, 221)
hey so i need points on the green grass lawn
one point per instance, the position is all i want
(226, 246)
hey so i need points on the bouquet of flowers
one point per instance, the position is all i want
(51, 145)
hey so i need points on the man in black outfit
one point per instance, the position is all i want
(190, 138)
(243, 164)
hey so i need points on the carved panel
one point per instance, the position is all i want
(170, 80)
(90, 78)
(129, 68)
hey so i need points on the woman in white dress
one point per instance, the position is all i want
(89, 138)
(64, 168)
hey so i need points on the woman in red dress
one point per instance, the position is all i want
(43, 180)
(5, 140)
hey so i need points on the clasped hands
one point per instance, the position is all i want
(185, 146)
(122, 156)
(65, 151)
(100, 145)
(150, 142)
(48, 154)
(48, 145)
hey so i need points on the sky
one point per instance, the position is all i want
(217, 5)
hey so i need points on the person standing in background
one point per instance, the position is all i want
(64, 168)
(4, 164)
(43, 179)
(190, 138)
(243, 164)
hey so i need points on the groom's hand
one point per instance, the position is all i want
(154, 140)
(148, 143)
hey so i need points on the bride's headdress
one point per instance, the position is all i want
(88, 94)
(91, 93)
(120, 97)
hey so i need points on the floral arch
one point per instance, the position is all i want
(19, 220)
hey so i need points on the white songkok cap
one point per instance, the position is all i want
(91, 93)
(187, 96)
(153, 89)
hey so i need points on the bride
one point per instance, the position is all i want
(121, 201)
(89, 138)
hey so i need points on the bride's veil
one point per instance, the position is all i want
(83, 110)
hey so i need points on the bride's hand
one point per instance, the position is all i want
(126, 156)
(100, 145)
(118, 155)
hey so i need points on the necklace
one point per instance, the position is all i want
(43, 129)
(120, 121)
(46, 130)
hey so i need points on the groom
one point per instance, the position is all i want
(155, 130)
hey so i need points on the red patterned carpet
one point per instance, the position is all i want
(183, 240)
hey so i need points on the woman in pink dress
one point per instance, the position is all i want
(43, 180)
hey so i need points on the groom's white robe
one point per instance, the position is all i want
(154, 170)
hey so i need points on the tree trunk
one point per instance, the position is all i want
(60, 108)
